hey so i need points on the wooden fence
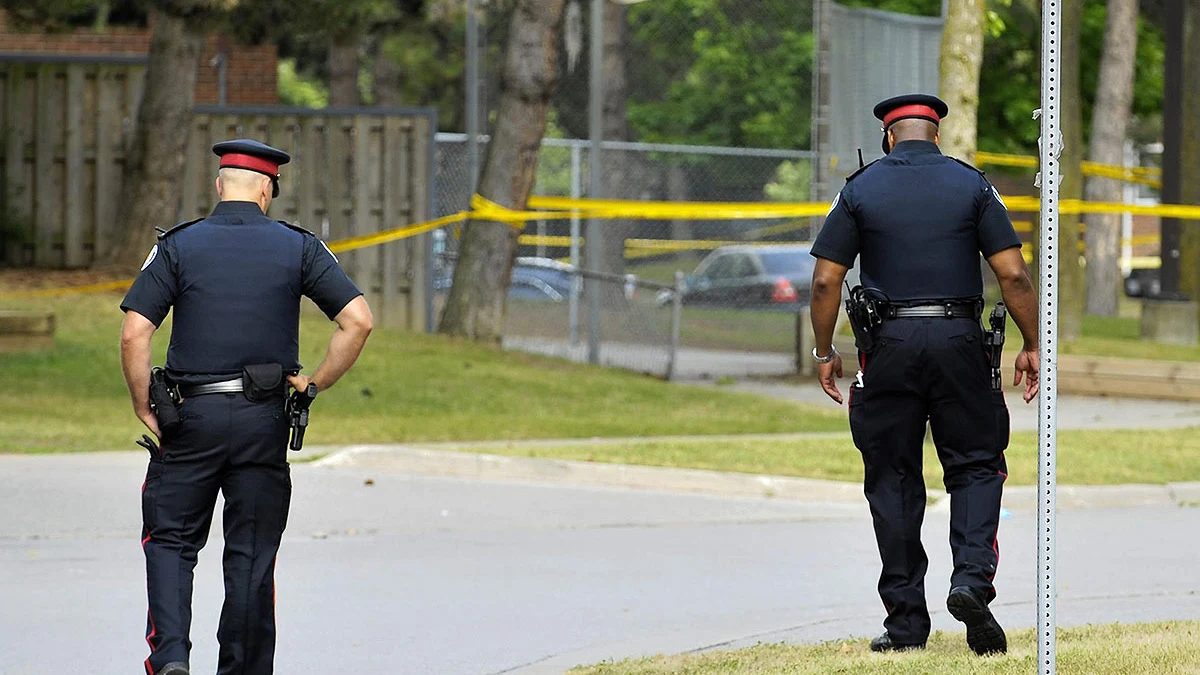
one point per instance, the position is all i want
(67, 125)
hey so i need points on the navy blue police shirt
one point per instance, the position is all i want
(919, 219)
(234, 280)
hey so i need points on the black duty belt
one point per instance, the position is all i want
(947, 310)
(223, 387)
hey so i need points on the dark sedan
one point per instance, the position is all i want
(760, 277)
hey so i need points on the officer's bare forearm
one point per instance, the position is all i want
(355, 324)
(1016, 285)
(826, 297)
(137, 333)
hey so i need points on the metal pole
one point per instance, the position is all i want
(596, 175)
(676, 324)
(472, 85)
(1051, 148)
(1172, 187)
(576, 280)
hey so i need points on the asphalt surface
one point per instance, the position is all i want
(426, 575)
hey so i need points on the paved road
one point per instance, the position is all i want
(419, 575)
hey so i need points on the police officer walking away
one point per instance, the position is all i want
(235, 280)
(919, 220)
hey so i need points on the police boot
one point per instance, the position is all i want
(884, 643)
(175, 668)
(984, 634)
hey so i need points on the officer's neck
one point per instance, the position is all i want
(241, 204)
(917, 145)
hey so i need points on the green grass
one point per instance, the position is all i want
(406, 387)
(1170, 648)
(1084, 457)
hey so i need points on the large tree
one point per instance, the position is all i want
(477, 302)
(961, 58)
(1189, 155)
(1070, 268)
(154, 166)
(1110, 123)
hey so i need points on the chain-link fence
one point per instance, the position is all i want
(743, 279)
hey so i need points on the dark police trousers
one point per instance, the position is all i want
(227, 444)
(931, 369)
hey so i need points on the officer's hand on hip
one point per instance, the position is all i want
(299, 382)
(151, 423)
(1027, 365)
(827, 374)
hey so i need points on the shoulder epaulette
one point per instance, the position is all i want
(860, 170)
(969, 166)
(295, 227)
(166, 233)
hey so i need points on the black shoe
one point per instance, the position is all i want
(984, 634)
(175, 668)
(884, 643)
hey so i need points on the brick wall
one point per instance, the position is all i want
(250, 77)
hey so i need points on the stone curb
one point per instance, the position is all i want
(479, 466)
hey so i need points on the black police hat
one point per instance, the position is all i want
(909, 106)
(251, 155)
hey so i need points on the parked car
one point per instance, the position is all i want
(540, 279)
(752, 276)
(1143, 283)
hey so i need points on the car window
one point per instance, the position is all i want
(787, 263)
(742, 267)
(721, 268)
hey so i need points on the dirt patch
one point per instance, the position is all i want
(27, 279)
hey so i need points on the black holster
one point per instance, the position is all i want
(164, 401)
(993, 342)
(866, 316)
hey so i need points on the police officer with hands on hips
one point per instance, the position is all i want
(235, 281)
(918, 221)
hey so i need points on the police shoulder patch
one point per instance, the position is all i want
(330, 252)
(162, 234)
(996, 194)
(150, 258)
(836, 200)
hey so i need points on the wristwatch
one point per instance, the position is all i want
(825, 359)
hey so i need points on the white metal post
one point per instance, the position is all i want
(472, 86)
(1051, 148)
(595, 175)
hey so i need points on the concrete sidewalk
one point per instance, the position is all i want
(464, 464)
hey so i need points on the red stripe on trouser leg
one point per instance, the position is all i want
(149, 618)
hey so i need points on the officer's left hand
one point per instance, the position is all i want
(827, 374)
(299, 382)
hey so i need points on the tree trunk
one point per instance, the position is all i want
(1070, 271)
(343, 73)
(618, 164)
(1110, 122)
(386, 80)
(478, 297)
(961, 59)
(154, 167)
(1189, 154)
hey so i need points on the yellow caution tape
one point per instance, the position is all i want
(1139, 174)
(67, 290)
(394, 234)
(650, 210)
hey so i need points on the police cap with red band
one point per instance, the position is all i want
(253, 156)
(910, 106)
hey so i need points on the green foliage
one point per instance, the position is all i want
(304, 91)
(793, 182)
(1010, 80)
(721, 72)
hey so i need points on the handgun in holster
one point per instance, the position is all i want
(297, 411)
(993, 341)
(866, 316)
(164, 401)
